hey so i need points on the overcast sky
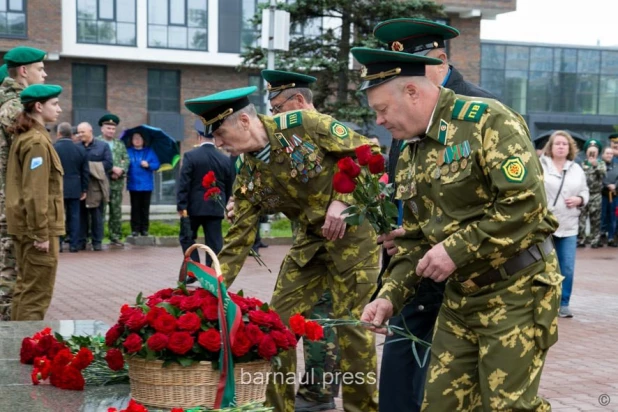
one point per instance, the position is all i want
(577, 22)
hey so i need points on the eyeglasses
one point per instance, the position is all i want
(277, 109)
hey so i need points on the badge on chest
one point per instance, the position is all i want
(303, 157)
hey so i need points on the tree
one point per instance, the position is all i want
(327, 53)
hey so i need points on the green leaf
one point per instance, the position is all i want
(265, 307)
(241, 293)
(169, 308)
(184, 361)
(353, 220)
(140, 299)
(58, 337)
(351, 210)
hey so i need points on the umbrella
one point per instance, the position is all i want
(541, 140)
(165, 147)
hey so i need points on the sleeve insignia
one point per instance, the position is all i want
(514, 169)
(36, 162)
(288, 120)
(469, 111)
(339, 130)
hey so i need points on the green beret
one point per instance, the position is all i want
(109, 119)
(593, 143)
(417, 36)
(380, 66)
(4, 73)
(40, 93)
(613, 137)
(214, 108)
(279, 80)
(22, 55)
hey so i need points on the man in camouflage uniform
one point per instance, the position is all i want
(108, 124)
(287, 165)
(595, 171)
(24, 66)
(289, 91)
(475, 213)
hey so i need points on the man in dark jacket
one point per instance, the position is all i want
(91, 222)
(401, 378)
(190, 195)
(76, 176)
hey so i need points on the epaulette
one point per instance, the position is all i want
(470, 111)
(288, 120)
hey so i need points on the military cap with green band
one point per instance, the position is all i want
(593, 143)
(22, 55)
(413, 35)
(4, 73)
(39, 93)
(279, 80)
(613, 137)
(213, 109)
(380, 66)
(109, 119)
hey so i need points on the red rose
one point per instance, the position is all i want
(240, 301)
(163, 294)
(210, 311)
(157, 341)
(297, 323)
(254, 303)
(210, 340)
(27, 351)
(114, 359)
(348, 166)
(113, 334)
(180, 342)
(189, 322)
(45, 344)
(211, 193)
(280, 338)
(314, 331)
(376, 164)
(133, 343)
(153, 314)
(241, 344)
(259, 317)
(343, 183)
(254, 333)
(177, 300)
(191, 303)
(83, 358)
(363, 153)
(165, 323)
(136, 321)
(209, 179)
(125, 312)
(267, 347)
(274, 320)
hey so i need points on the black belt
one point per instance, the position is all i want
(518, 262)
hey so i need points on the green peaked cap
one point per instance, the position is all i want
(380, 66)
(109, 119)
(22, 55)
(613, 137)
(39, 93)
(593, 143)
(279, 80)
(214, 108)
(413, 35)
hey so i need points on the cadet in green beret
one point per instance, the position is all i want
(286, 164)
(34, 201)
(23, 67)
(120, 156)
(475, 215)
(595, 171)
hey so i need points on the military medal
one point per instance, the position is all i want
(250, 186)
(243, 189)
(441, 157)
(436, 173)
(444, 170)
(454, 166)
(463, 163)
(293, 173)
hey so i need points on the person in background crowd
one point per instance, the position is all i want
(595, 171)
(143, 162)
(75, 135)
(75, 181)
(608, 202)
(567, 193)
(34, 206)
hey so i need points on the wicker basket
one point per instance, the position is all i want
(195, 385)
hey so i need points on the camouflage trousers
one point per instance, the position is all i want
(593, 211)
(114, 224)
(490, 344)
(8, 266)
(298, 289)
(321, 358)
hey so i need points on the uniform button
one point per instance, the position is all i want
(421, 307)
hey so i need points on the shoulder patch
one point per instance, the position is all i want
(514, 169)
(239, 162)
(36, 162)
(443, 131)
(468, 111)
(288, 120)
(339, 130)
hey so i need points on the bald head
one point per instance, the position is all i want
(84, 131)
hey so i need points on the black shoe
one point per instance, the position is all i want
(73, 250)
(256, 249)
(303, 405)
(262, 244)
(612, 243)
(581, 245)
(81, 247)
(116, 242)
(144, 233)
(190, 280)
(97, 248)
(595, 246)
(134, 234)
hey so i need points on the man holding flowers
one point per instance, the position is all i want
(286, 164)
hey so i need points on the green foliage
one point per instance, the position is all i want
(327, 55)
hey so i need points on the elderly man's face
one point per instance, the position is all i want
(395, 110)
(85, 133)
(232, 137)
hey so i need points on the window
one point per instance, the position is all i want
(493, 80)
(587, 94)
(178, 24)
(492, 56)
(608, 99)
(13, 18)
(517, 57)
(541, 59)
(163, 90)
(588, 61)
(237, 33)
(539, 91)
(106, 22)
(258, 98)
(89, 86)
(516, 86)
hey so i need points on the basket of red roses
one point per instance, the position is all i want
(182, 344)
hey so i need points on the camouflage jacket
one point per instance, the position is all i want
(473, 183)
(298, 183)
(120, 158)
(594, 176)
(10, 107)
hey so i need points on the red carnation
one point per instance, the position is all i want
(297, 323)
(133, 343)
(267, 347)
(209, 179)
(136, 321)
(291, 338)
(280, 339)
(348, 166)
(180, 342)
(274, 320)
(35, 376)
(376, 164)
(343, 183)
(83, 358)
(210, 340)
(133, 406)
(56, 347)
(165, 323)
(157, 341)
(241, 344)
(211, 193)
(114, 359)
(113, 334)
(363, 154)
(314, 331)
(45, 344)
(254, 333)
(43, 366)
(27, 351)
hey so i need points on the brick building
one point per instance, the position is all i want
(141, 59)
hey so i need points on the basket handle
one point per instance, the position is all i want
(215, 262)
